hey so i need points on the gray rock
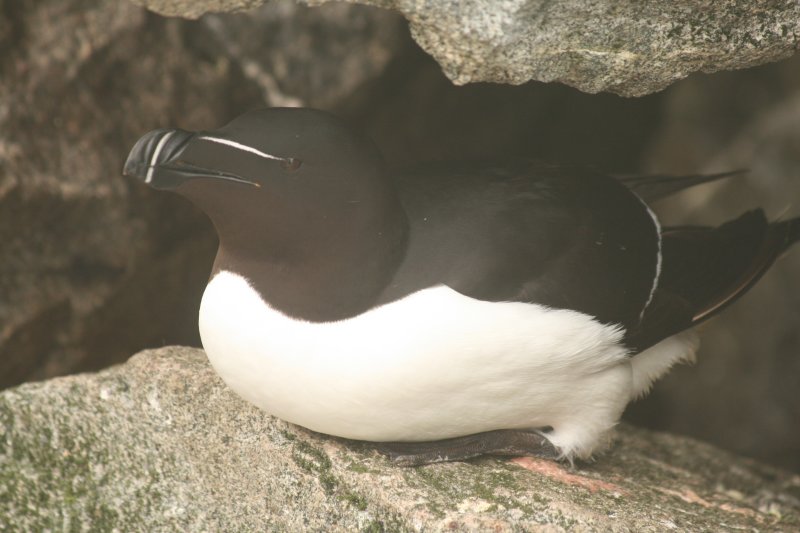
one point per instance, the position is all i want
(160, 444)
(629, 48)
(193, 9)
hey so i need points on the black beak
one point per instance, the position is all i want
(156, 160)
(152, 150)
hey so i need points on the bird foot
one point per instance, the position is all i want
(508, 442)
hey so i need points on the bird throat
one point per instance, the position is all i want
(321, 281)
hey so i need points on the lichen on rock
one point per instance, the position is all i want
(160, 443)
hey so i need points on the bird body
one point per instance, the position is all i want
(446, 301)
(433, 365)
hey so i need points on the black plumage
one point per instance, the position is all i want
(333, 232)
(528, 232)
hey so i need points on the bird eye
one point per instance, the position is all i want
(290, 164)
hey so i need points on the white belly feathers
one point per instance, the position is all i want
(433, 365)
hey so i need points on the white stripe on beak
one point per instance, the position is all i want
(161, 142)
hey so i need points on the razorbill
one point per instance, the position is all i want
(448, 311)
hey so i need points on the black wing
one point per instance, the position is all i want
(706, 269)
(522, 231)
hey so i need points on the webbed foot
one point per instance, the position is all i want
(508, 442)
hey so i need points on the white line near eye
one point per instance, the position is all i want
(240, 146)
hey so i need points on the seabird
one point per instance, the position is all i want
(451, 310)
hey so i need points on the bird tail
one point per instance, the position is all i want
(791, 231)
(655, 187)
(736, 255)
(704, 270)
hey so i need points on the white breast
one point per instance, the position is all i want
(433, 365)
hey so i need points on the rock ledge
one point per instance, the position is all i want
(160, 444)
(629, 48)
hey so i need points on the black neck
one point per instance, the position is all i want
(320, 278)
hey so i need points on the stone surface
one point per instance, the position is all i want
(630, 48)
(94, 267)
(160, 444)
(194, 9)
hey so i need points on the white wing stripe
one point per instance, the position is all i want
(658, 259)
